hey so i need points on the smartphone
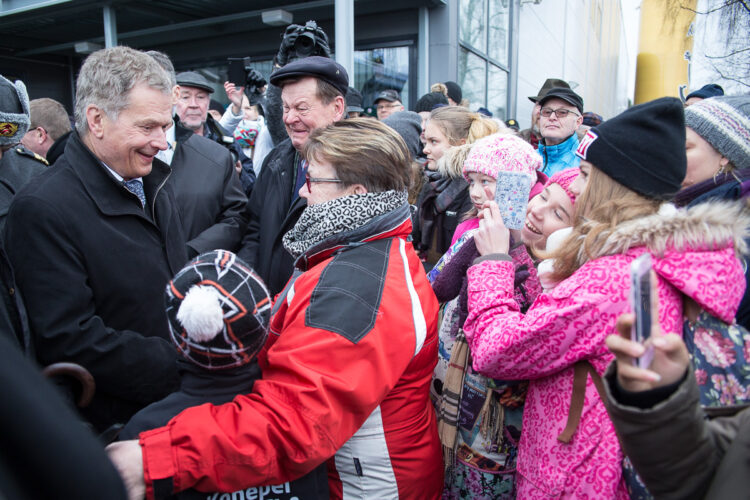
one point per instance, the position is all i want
(236, 73)
(512, 196)
(640, 303)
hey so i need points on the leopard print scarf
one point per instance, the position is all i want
(347, 213)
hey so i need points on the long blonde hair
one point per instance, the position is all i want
(603, 205)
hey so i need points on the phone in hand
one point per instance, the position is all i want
(512, 197)
(237, 73)
(640, 303)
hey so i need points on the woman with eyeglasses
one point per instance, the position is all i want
(559, 118)
(352, 344)
(568, 446)
(444, 197)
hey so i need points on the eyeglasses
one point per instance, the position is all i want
(309, 180)
(559, 112)
(382, 107)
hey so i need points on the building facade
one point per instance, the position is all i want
(498, 51)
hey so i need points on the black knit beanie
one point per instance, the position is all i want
(642, 148)
(428, 102)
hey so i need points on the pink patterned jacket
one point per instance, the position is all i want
(694, 253)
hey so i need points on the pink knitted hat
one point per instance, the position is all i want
(502, 153)
(565, 178)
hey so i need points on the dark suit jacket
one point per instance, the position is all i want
(92, 266)
(209, 196)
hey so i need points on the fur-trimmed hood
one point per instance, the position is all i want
(711, 225)
(700, 251)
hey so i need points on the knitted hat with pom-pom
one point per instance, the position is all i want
(218, 311)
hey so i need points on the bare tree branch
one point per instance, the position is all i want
(734, 53)
(709, 11)
(729, 77)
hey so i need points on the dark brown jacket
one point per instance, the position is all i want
(678, 452)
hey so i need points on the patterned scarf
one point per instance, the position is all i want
(339, 215)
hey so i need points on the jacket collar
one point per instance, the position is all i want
(181, 133)
(109, 195)
(396, 223)
(558, 151)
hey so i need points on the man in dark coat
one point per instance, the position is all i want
(209, 195)
(17, 164)
(95, 239)
(211, 202)
(312, 92)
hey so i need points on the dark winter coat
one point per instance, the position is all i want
(17, 167)
(92, 265)
(213, 131)
(272, 214)
(199, 386)
(440, 207)
(14, 323)
(678, 452)
(722, 187)
(211, 202)
(46, 451)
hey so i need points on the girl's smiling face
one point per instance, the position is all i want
(547, 212)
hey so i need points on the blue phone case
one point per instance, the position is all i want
(512, 196)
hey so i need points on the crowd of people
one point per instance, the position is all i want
(290, 299)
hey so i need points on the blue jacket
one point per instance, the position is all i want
(559, 157)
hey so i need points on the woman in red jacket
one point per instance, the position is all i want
(350, 355)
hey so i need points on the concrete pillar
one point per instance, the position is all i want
(344, 22)
(110, 27)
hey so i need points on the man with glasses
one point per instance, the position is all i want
(559, 117)
(312, 95)
(386, 103)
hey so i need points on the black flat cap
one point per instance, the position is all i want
(549, 83)
(193, 79)
(389, 95)
(566, 95)
(323, 68)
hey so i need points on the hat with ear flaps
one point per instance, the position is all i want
(218, 311)
(642, 148)
(14, 112)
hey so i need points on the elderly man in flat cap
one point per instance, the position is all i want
(312, 92)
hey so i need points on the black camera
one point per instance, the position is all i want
(309, 40)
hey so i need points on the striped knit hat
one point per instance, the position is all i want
(724, 122)
(218, 311)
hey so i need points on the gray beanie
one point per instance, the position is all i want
(408, 124)
(724, 122)
(14, 112)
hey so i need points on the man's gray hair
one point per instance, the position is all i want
(166, 63)
(107, 77)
